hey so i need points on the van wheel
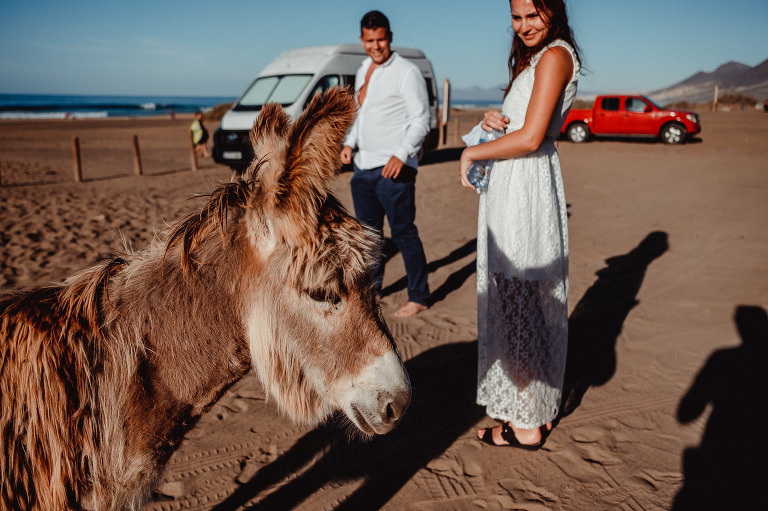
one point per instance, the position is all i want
(673, 133)
(577, 132)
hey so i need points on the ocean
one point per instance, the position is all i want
(485, 104)
(58, 106)
(65, 106)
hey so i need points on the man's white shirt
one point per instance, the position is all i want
(394, 117)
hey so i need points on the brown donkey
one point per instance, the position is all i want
(102, 375)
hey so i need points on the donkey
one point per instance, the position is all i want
(102, 375)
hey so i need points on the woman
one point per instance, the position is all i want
(522, 263)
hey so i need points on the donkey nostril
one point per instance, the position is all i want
(392, 407)
(390, 414)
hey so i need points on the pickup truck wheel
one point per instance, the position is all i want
(673, 133)
(577, 132)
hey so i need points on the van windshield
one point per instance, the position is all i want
(284, 90)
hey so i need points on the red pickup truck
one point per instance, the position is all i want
(620, 115)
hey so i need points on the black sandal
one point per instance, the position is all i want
(508, 434)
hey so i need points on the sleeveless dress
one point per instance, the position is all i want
(522, 270)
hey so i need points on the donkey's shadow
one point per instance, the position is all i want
(443, 407)
(452, 283)
(444, 381)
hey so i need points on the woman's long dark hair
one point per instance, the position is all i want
(554, 14)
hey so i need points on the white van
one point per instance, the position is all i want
(292, 79)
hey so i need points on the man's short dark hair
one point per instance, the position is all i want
(373, 20)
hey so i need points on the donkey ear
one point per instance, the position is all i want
(315, 141)
(268, 138)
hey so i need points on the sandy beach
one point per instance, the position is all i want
(666, 243)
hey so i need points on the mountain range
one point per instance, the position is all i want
(732, 77)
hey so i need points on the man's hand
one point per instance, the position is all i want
(392, 168)
(346, 155)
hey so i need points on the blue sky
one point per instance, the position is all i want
(170, 47)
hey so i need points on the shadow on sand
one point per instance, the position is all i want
(452, 283)
(597, 319)
(728, 470)
(444, 380)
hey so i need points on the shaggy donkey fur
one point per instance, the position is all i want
(102, 375)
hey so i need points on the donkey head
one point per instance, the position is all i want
(317, 337)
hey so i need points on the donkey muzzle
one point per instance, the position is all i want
(379, 396)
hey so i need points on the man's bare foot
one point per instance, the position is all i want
(410, 309)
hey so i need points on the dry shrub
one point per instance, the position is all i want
(217, 112)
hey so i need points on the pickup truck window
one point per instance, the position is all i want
(636, 105)
(610, 104)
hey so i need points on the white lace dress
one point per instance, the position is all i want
(522, 271)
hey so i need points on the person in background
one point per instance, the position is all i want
(391, 124)
(200, 135)
(522, 239)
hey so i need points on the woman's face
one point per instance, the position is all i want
(529, 26)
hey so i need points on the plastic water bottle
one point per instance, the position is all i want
(480, 171)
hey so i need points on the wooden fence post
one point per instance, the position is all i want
(193, 153)
(137, 168)
(445, 113)
(77, 166)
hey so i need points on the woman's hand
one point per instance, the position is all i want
(464, 163)
(493, 120)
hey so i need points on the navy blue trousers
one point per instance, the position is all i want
(374, 197)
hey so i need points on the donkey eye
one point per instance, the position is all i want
(324, 295)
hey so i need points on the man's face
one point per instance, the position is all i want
(376, 44)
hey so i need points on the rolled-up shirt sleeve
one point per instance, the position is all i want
(416, 101)
(351, 138)
(354, 130)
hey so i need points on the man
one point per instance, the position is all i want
(391, 124)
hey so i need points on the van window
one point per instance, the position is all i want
(273, 89)
(325, 83)
(322, 85)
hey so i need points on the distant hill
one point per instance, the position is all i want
(731, 78)
(477, 94)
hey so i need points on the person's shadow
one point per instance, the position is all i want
(729, 469)
(597, 319)
(452, 283)
(444, 381)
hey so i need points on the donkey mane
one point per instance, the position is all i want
(197, 227)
